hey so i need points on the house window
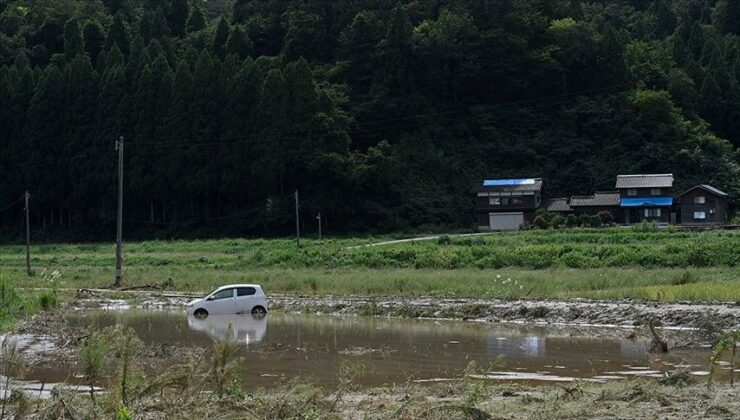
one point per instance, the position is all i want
(654, 191)
(516, 200)
(652, 213)
(632, 191)
(494, 201)
(700, 215)
(700, 199)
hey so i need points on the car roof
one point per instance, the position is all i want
(228, 286)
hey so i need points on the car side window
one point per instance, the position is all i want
(223, 294)
(245, 291)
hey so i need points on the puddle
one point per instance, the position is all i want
(382, 351)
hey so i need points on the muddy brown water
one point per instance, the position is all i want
(383, 351)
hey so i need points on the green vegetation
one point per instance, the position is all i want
(592, 263)
(382, 114)
(13, 305)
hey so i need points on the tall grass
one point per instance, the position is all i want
(12, 305)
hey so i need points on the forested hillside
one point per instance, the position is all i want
(380, 112)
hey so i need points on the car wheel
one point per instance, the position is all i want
(259, 311)
(200, 313)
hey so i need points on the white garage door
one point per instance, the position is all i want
(506, 221)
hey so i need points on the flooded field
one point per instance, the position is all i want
(382, 351)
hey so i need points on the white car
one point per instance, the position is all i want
(231, 299)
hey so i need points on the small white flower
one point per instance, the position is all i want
(498, 276)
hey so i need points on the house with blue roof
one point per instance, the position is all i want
(646, 197)
(507, 204)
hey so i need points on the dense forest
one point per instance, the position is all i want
(381, 113)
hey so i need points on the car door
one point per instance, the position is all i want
(222, 302)
(245, 299)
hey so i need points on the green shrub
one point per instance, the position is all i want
(595, 221)
(606, 217)
(685, 278)
(444, 240)
(557, 221)
(541, 223)
(578, 260)
(48, 300)
(123, 413)
(584, 220)
(571, 221)
(544, 214)
(645, 226)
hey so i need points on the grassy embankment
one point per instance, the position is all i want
(612, 263)
(14, 306)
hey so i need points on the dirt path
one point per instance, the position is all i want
(419, 239)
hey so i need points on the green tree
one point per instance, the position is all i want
(396, 49)
(197, 20)
(178, 16)
(238, 43)
(726, 16)
(94, 37)
(118, 34)
(73, 43)
(220, 37)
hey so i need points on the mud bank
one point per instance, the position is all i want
(714, 317)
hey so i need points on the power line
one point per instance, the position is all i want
(13, 203)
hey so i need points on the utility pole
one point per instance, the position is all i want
(297, 223)
(119, 224)
(319, 219)
(28, 236)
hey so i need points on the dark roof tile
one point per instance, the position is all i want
(645, 181)
(599, 199)
(557, 205)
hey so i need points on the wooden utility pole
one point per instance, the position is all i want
(119, 224)
(319, 219)
(297, 222)
(28, 236)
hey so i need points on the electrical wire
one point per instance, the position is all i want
(13, 203)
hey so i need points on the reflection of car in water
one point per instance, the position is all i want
(245, 328)
(231, 299)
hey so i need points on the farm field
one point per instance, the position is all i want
(598, 264)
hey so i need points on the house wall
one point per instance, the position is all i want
(527, 202)
(645, 192)
(634, 215)
(712, 202)
(483, 220)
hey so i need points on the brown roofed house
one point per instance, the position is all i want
(600, 201)
(703, 205)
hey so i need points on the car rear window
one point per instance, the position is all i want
(245, 291)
